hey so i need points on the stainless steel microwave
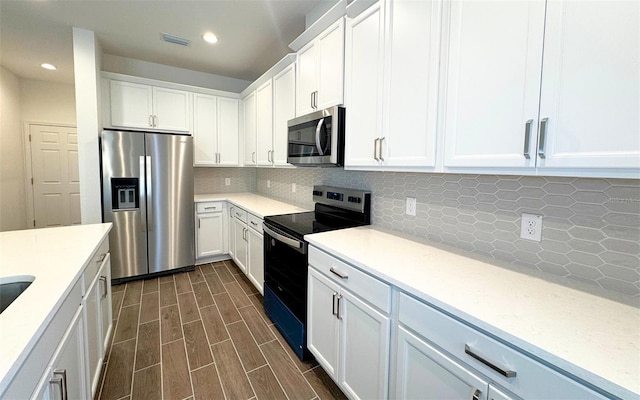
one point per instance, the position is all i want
(317, 139)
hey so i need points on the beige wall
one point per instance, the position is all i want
(47, 102)
(12, 193)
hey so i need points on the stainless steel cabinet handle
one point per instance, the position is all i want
(101, 258)
(333, 305)
(198, 222)
(63, 386)
(103, 279)
(375, 149)
(527, 137)
(253, 223)
(57, 381)
(155, 121)
(318, 145)
(151, 121)
(542, 137)
(380, 150)
(476, 395)
(253, 157)
(238, 215)
(338, 314)
(338, 273)
(211, 208)
(312, 93)
(503, 372)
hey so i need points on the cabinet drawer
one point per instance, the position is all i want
(532, 379)
(239, 213)
(209, 207)
(94, 264)
(255, 222)
(364, 285)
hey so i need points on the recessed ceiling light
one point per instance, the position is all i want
(210, 37)
(48, 66)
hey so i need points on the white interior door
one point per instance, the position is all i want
(56, 179)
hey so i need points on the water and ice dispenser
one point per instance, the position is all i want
(125, 193)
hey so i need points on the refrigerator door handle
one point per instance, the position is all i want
(143, 195)
(149, 195)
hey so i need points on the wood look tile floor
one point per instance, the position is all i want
(202, 335)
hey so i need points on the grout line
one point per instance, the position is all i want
(135, 352)
(160, 344)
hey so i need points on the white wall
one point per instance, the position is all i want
(86, 60)
(47, 102)
(130, 66)
(13, 214)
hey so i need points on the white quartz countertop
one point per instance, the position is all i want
(56, 257)
(591, 337)
(254, 203)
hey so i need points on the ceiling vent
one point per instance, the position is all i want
(175, 39)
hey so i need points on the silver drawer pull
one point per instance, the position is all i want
(101, 258)
(253, 223)
(476, 395)
(62, 373)
(211, 208)
(105, 291)
(527, 137)
(338, 273)
(503, 372)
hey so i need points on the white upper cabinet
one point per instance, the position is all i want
(493, 83)
(264, 123)
(391, 84)
(320, 72)
(590, 85)
(135, 105)
(215, 130)
(572, 109)
(284, 109)
(249, 106)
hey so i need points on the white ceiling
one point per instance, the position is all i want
(253, 34)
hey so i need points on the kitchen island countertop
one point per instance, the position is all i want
(56, 257)
(594, 338)
(256, 204)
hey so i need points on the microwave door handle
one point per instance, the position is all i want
(318, 146)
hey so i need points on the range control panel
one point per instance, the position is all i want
(358, 200)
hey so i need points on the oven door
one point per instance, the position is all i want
(285, 285)
(316, 138)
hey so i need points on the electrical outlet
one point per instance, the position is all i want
(411, 206)
(293, 187)
(268, 183)
(227, 181)
(531, 227)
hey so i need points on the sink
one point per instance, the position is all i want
(11, 287)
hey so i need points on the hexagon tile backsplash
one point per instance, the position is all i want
(591, 227)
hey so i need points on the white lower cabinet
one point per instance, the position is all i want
(423, 372)
(65, 377)
(240, 244)
(209, 229)
(255, 258)
(349, 337)
(246, 245)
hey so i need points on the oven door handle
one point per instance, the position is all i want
(296, 244)
(318, 144)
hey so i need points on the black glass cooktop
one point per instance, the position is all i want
(325, 218)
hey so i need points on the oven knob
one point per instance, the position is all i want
(273, 242)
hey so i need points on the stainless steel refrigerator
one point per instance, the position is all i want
(147, 193)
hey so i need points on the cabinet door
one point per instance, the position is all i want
(364, 67)
(241, 244)
(232, 233)
(171, 109)
(284, 109)
(331, 66)
(364, 349)
(255, 261)
(105, 304)
(492, 83)
(590, 84)
(228, 131)
(322, 321)
(131, 105)
(67, 364)
(205, 130)
(424, 372)
(92, 310)
(306, 79)
(264, 123)
(249, 105)
(412, 52)
(209, 234)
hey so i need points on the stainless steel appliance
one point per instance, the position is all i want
(317, 139)
(286, 260)
(147, 193)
